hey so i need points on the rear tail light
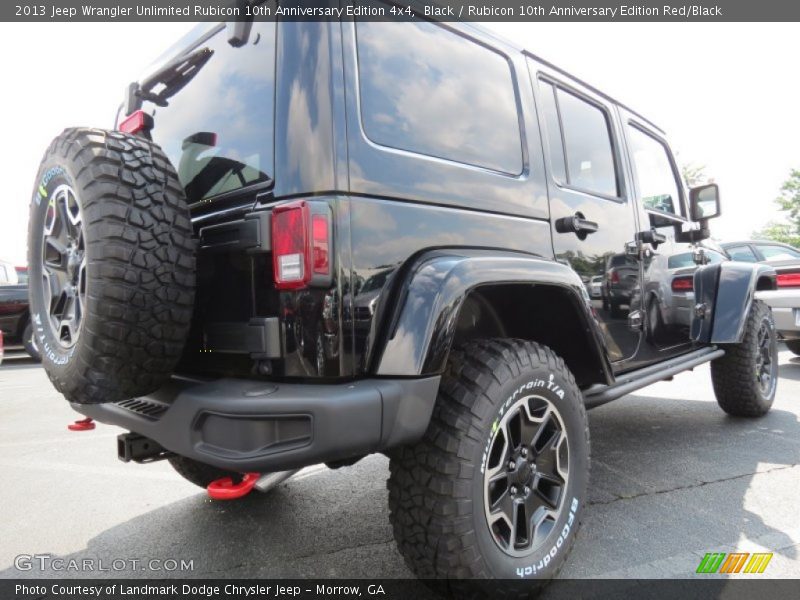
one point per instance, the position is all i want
(614, 276)
(320, 244)
(683, 284)
(136, 122)
(788, 280)
(301, 245)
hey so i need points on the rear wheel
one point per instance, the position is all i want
(745, 379)
(496, 487)
(794, 346)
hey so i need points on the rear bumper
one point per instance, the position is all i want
(246, 425)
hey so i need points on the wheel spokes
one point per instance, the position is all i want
(499, 455)
(55, 254)
(764, 360)
(526, 474)
(64, 273)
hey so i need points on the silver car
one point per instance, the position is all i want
(784, 301)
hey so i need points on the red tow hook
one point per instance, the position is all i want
(225, 489)
(86, 424)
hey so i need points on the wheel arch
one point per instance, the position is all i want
(452, 296)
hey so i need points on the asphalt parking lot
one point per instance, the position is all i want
(672, 478)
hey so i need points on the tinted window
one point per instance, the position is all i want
(620, 260)
(686, 259)
(555, 145)
(218, 130)
(771, 252)
(430, 91)
(587, 138)
(658, 187)
(741, 253)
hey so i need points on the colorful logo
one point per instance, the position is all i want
(736, 562)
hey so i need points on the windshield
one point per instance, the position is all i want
(215, 117)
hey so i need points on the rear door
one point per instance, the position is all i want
(590, 205)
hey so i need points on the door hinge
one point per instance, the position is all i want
(635, 320)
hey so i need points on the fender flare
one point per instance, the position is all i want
(723, 294)
(421, 327)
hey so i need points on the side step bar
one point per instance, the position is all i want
(627, 383)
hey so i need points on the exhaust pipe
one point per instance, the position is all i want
(269, 480)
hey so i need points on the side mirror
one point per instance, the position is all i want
(704, 202)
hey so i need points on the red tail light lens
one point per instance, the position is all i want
(683, 284)
(788, 280)
(301, 244)
(136, 122)
(614, 276)
(320, 244)
(290, 259)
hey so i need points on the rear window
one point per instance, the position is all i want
(621, 260)
(741, 254)
(578, 135)
(778, 252)
(218, 130)
(686, 259)
(428, 90)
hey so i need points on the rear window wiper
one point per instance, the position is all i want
(159, 87)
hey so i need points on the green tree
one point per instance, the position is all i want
(788, 231)
(694, 174)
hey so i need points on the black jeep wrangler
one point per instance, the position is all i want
(306, 242)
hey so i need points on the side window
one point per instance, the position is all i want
(555, 145)
(771, 252)
(430, 91)
(658, 186)
(579, 142)
(742, 253)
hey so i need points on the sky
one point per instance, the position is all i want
(725, 93)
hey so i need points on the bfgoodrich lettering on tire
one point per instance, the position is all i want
(111, 261)
(497, 486)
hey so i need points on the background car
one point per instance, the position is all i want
(785, 301)
(669, 293)
(619, 282)
(15, 321)
(8, 274)
(596, 286)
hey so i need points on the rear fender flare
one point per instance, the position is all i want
(421, 328)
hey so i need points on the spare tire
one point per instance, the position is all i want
(112, 267)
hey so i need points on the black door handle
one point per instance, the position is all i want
(652, 237)
(576, 224)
